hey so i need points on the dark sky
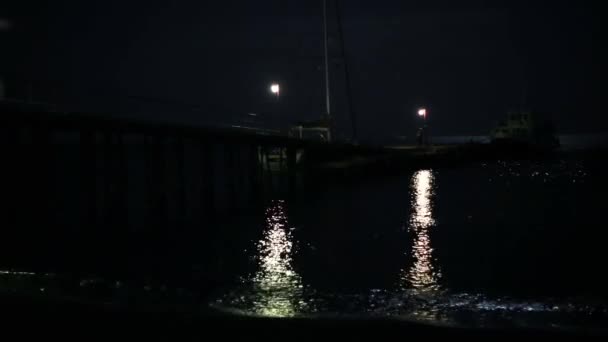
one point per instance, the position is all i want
(213, 61)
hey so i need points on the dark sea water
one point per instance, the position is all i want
(505, 244)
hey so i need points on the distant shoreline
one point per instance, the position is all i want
(569, 142)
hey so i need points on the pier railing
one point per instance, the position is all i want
(67, 173)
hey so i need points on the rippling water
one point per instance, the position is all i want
(502, 244)
(507, 244)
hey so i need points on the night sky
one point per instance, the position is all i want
(212, 62)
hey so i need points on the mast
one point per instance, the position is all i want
(351, 109)
(325, 38)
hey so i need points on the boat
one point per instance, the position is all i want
(316, 130)
(319, 130)
(525, 129)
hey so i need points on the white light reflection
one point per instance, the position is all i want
(278, 286)
(422, 275)
(2, 272)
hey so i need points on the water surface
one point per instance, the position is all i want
(506, 243)
(503, 244)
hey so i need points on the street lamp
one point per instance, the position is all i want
(422, 136)
(275, 89)
(422, 112)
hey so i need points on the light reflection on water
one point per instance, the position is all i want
(423, 274)
(277, 290)
(422, 293)
(277, 286)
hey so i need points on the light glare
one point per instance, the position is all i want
(275, 89)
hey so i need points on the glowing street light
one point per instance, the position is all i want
(422, 112)
(275, 89)
(422, 136)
